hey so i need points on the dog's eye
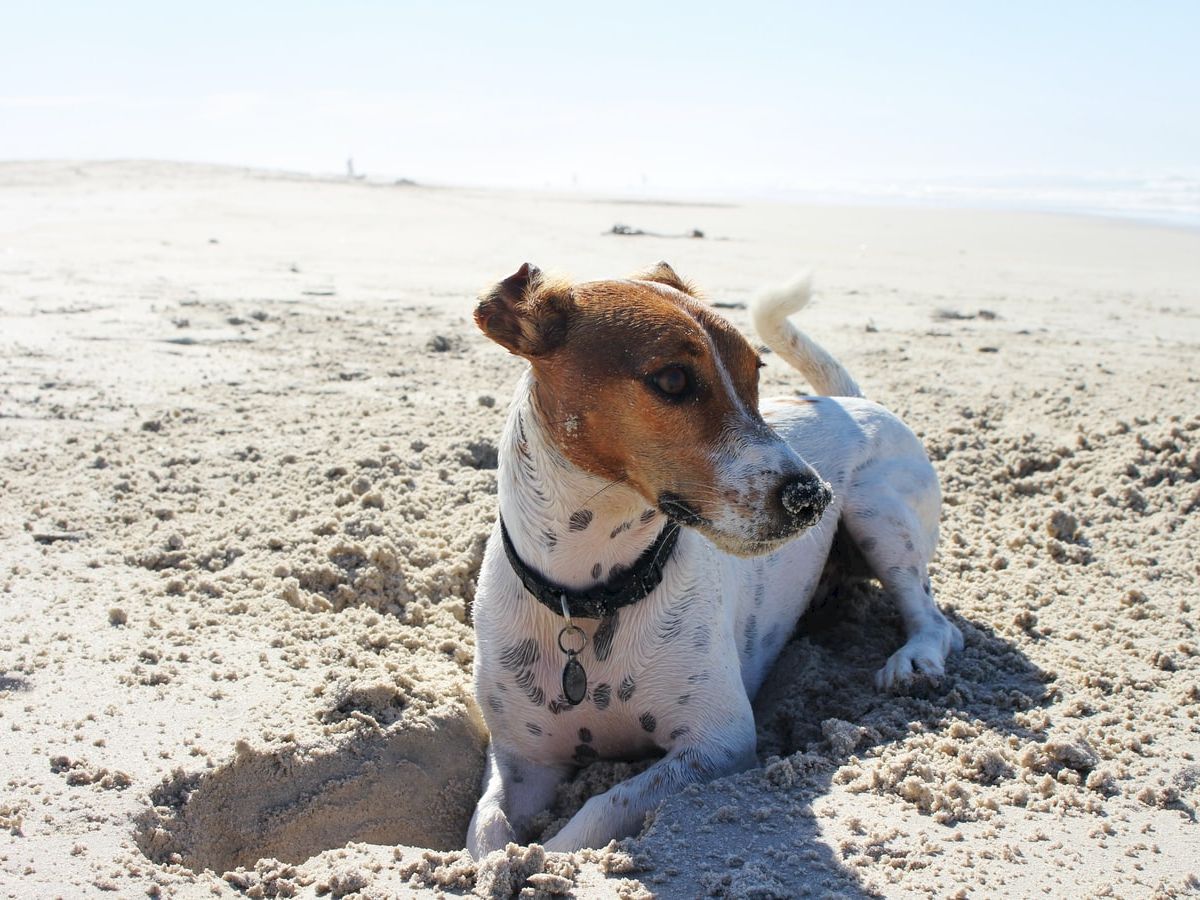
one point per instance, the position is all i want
(673, 381)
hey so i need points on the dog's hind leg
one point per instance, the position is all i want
(897, 545)
(515, 790)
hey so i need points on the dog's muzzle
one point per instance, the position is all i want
(804, 499)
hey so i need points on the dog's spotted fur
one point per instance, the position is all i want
(595, 461)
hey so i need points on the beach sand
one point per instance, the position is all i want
(248, 432)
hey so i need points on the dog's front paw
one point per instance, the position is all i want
(596, 823)
(925, 653)
(489, 830)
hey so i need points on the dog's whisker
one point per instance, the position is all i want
(613, 483)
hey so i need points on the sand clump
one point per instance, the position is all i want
(248, 474)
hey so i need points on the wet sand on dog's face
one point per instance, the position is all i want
(248, 433)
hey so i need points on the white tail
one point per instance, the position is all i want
(770, 311)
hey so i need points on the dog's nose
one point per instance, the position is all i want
(805, 498)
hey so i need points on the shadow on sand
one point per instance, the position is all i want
(755, 834)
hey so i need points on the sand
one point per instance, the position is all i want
(248, 435)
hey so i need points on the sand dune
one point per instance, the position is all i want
(248, 434)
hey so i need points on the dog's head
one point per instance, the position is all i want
(638, 381)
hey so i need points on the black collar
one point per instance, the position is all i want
(604, 599)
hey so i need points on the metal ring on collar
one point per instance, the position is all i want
(572, 629)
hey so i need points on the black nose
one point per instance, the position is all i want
(805, 498)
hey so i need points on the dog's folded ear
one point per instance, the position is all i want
(664, 274)
(526, 313)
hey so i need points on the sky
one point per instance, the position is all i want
(712, 98)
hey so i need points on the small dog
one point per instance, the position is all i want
(660, 535)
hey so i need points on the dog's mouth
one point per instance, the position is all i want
(800, 514)
(679, 510)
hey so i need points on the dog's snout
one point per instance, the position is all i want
(805, 498)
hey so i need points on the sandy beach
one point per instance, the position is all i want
(248, 436)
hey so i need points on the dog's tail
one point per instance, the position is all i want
(770, 311)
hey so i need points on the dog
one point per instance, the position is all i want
(660, 534)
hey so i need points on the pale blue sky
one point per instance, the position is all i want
(688, 96)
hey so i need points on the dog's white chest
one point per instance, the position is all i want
(690, 652)
(616, 719)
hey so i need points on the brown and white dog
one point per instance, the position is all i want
(636, 443)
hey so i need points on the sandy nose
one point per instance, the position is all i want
(805, 498)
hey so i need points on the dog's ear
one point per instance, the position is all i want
(526, 313)
(664, 274)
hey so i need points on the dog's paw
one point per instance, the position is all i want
(924, 654)
(598, 821)
(489, 830)
(956, 638)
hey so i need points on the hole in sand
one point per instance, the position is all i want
(410, 784)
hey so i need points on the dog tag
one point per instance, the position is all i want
(574, 681)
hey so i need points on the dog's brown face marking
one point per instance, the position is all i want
(640, 382)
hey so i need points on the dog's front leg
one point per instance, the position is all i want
(514, 790)
(621, 810)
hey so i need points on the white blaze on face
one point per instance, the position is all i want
(750, 462)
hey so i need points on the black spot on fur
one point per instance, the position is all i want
(616, 570)
(602, 695)
(494, 703)
(908, 545)
(580, 519)
(559, 704)
(624, 526)
(648, 515)
(699, 677)
(671, 624)
(684, 699)
(526, 679)
(625, 691)
(680, 732)
(585, 735)
(551, 539)
(520, 656)
(867, 544)
(649, 723)
(701, 638)
(750, 635)
(537, 697)
(585, 754)
(596, 569)
(760, 594)
(533, 728)
(605, 632)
